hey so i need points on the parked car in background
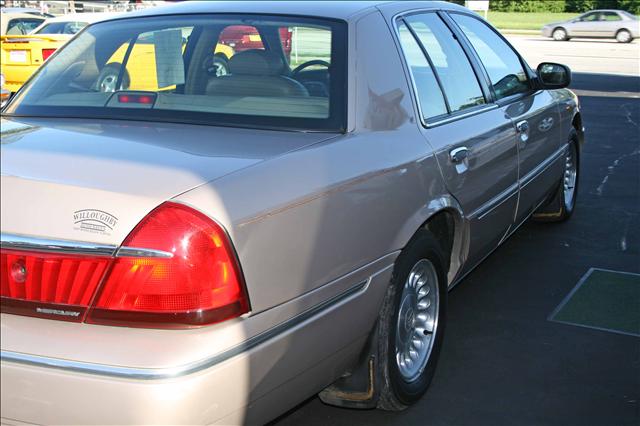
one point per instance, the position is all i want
(246, 37)
(219, 249)
(22, 55)
(4, 93)
(605, 23)
(18, 23)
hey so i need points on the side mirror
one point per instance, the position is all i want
(553, 76)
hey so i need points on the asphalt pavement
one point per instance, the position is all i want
(503, 362)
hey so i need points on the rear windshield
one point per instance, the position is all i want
(246, 71)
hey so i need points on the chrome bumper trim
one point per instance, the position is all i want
(183, 370)
(22, 242)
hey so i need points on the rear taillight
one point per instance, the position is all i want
(37, 284)
(200, 283)
(46, 53)
(176, 269)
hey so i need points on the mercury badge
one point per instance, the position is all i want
(94, 221)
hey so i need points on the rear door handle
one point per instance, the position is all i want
(523, 129)
(523, 126)
(458, 155)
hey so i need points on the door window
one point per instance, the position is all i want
(450, 65)
(429, 94)
(610, 16)
(503, 65)
(589, 17)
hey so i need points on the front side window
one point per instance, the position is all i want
(503, 65)
(450, 63)
(169, 69)
(590, 17)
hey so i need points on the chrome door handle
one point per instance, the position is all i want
(523, 129)
(458, 155)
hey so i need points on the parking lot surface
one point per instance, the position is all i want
(503, 362)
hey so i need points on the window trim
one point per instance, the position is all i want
(450, 117)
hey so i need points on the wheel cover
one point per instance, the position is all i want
(108, 83)
(623, 36)
(221, 70)
(559, 34)
(570, 175)
(417, 320)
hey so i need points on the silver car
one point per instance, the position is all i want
(188, 248)
(605, 23)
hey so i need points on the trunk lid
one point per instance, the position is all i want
(93, 181)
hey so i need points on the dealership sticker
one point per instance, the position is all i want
(94, 221)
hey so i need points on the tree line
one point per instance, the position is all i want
(577, 6)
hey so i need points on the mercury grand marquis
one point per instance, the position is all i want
(227, 246)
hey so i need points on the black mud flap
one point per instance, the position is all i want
(360, 388)
(552, 209)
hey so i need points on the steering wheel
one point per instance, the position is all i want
(308, 64)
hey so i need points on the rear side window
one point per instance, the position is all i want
(22, 26)
(503, 65)
(429, 94)
(447, 63)
(611, 16)
(62, 27)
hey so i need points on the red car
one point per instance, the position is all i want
(242, 38)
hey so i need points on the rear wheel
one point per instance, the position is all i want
(560, 34)
(412, 323)
(563, 202)
(624, 36)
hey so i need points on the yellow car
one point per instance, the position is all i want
(141, 65)
(22, 55)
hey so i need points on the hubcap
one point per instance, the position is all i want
(570, 175)
(624, 36)
(559, 34)
(417, 320)
(108, 83)
(221, 70)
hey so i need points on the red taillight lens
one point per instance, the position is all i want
(43, 284)
(199, 284)
(46, 53)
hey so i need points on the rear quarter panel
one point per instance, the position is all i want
(305, 219)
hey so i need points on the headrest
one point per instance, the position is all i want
(256, 62)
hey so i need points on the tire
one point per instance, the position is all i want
(108, 78)
(624, 36)
(560, 34)
(402, 320)
(563, 203)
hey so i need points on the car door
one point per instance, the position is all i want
(534, 113)
(474, 140)
(610, 24)
(585, 26)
